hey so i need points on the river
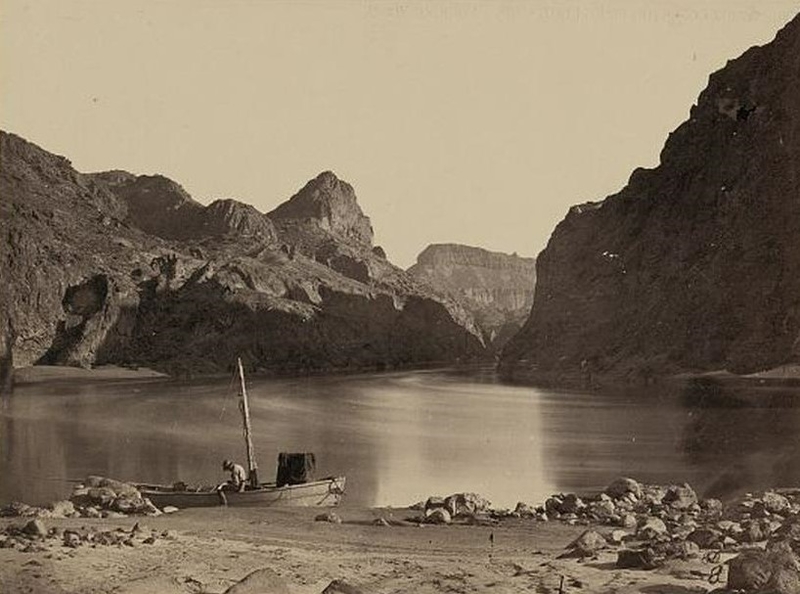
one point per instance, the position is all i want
(400, 437)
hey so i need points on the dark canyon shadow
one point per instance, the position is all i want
(744, 433)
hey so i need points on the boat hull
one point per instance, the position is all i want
(323, 493)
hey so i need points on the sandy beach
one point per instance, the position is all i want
(209, 550)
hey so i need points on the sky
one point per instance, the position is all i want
(469, 122)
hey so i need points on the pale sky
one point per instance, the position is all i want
(469, 122)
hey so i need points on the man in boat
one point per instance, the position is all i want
(238, 479)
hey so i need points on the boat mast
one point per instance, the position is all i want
(252, 467)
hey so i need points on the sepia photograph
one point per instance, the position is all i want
(400, 297)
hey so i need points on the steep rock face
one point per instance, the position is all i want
(86, 284)
(226, 216)
(330, 204)
(159, 206)
(494, 287)
(695, 265)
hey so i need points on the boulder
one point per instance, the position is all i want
(637, 559)
(705, 538)
(752, 531)
(627, 521)
(62, 509)
(773, 571)
(131, 504)
(680, 497)
(260, 581)
(473, 502)
(35, 528)
(622, 486)
(523, 510)
(71, 539)
(651, 528)
(341, 587)
(571, 504)
(433, 502)
(437, 515)
(602, 509)
(330, 517)
(775, 503)
(586, 545)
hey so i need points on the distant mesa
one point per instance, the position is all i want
(694, 265)
(496, 288)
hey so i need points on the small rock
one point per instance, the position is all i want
(651, 528)
(524, 510)
(35, 528)
(775, 503)
(637, 559)
(571, 504)
(62, 509)
(602, 509)
(434, 502)
(705, 538)
(586, 545)
(680, 497)
(437, 515)
(169, 509)
(260, 581)
(331, 517)
(71, 539)
(622, 486)
(627, 521)
(617, 536)
(772, 571)
(341, 587)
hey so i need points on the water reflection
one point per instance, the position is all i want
(402, 437)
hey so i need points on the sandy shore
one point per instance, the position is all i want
(208, 550)
(53, 373)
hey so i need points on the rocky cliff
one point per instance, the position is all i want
(125, 269)
(496, 288)
(694, 265)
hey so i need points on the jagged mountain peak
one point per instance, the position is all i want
(329, 203)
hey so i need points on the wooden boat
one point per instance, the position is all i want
(322, 493)
(326, 492)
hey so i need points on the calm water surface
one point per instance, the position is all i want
(401, 437)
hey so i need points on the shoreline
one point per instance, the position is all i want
(565, 545)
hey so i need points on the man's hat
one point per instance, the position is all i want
(226, 463)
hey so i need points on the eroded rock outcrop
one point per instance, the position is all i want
(496, 288)
(694, 265)
(130, 270)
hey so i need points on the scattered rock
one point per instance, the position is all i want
(775, 503)
(680, 497)
(651, 528)
(260, 581)
(341, 587)
(706, 538)
(638, 559)
(331, 517)
(586, 545)
(773, 571)
(35, 528)
(71, 539)
(622, 486)
(438, 515)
